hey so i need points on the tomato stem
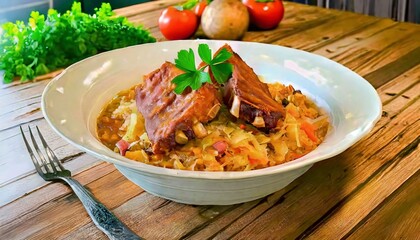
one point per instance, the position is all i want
(189, 4)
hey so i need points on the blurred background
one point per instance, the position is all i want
(399, 10)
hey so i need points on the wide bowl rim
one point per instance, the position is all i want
(115, 158)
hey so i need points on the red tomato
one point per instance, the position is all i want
(199, 7)
(177, 24)
(265, 14)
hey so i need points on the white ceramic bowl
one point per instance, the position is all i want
(72, 101)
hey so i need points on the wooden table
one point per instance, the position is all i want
(371, 191)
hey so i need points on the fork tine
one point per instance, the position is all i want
(34, 159)
(51, 155)
(45, 160)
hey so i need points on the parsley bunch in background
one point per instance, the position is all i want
(45, 44)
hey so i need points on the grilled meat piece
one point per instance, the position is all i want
(248, 98)
(172, 118)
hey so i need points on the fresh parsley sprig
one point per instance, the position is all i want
(194, 77)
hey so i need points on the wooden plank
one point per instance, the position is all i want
(149, 21)
(167, 214)
(17, 91)
(134, 213)
(209, 228)
(333, 48)
(48, 192)
(350, 48)
(376, 190)
(391, 109)
(394, 68)
(371, 52)
(21, 104)
(398, 218)
(329, 31)
(402, 83)
(376, 51)
(26, 183)
(18, 174)
(12, 146)
(140, 9)
(239, 218)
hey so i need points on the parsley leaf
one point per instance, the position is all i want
(183, 81)
(194, 77)
(203, 77)
(205, 53)
(221, 72)
(186, 60)
(221, 57)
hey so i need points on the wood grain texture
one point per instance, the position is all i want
(140, 9)
(360, 205)
(369, 187)
(398, 217)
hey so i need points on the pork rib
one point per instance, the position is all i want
(171, 118)
(247, 97)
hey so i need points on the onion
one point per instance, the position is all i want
(180, 137)
(199, 130)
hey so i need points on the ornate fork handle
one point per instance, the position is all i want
(101, 216)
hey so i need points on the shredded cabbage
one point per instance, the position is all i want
(229, 146)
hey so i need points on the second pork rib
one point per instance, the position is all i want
(248, 98)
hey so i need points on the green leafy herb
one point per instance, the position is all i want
(194, 77)
(190, 4)
(58, 40)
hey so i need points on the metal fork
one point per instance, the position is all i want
(50, 169)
